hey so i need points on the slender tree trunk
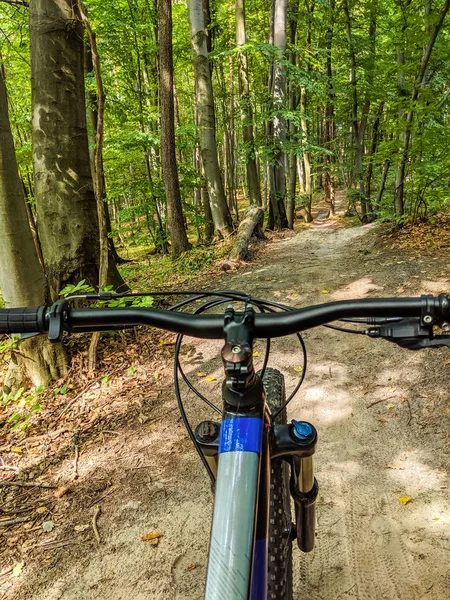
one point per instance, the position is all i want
(22, 279)
(254, 189)
(387, 164)
(419, 83)
(278, 126)
(359, 150)
(92, 121)
(292, 127)
(306, 159)
(373, 149)
(329, 116)
(177, 229)
(206, 121)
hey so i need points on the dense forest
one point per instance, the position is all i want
(153, 126)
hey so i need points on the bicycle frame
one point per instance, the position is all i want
(239, 530)
(238, 551)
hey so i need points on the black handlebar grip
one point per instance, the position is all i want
(23, 320)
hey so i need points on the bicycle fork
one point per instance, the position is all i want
(295, 443)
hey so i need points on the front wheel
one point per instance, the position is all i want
(279, 569)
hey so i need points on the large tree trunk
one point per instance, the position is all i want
(177, 229)
(254, 189)
(278, 125)
(206, 121)
(22, 279)
(66, 208)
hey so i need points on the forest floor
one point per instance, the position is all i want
(120, 457)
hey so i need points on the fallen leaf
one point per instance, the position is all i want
(325, 292)
(383, 421)
(405, 500)
(79, 528)
(256, 354)
(390, 406)
(156, 376)
(436, 518)
(18, 568)
(48, 526)
(210, 378)
(447, 362)
(166, 343)
(17, 450)
(153, 538)
(298, 369)
(201, 374)
(404, 399)
(41, 510)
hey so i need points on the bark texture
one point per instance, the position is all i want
(206, 121)
(22, 279)
(254, 189)
(66, 208)
(251, 224)
(177, 229)
(278, 126)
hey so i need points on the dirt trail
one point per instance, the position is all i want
(382, 417)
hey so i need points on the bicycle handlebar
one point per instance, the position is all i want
(434, 309)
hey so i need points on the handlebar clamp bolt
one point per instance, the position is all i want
(428, 319)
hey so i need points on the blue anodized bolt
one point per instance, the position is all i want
(301, 429)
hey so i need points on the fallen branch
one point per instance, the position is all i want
(75, 462)
(250, 225)
(8, 522)
(97, 511)
(27, 484)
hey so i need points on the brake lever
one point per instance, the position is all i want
(411, 334)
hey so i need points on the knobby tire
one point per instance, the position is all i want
(279, 570)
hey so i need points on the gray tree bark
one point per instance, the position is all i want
(66, 207)
(206, 121)
(254, 189)
(177, 229)
(22, 279)
(278, 125)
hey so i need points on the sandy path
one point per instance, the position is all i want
(369, 546)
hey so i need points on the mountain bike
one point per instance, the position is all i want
(256, 460)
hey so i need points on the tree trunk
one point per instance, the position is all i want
(278, 125)
(92, 122)
(329, 116)
(359, 149)
(206, 121)
(66, 208)
(22, 279)
(177, 229)
(251, 222)
(419, 83)
(254, 189)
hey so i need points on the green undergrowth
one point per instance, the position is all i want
(155, 272)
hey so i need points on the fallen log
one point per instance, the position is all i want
(251, 225)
